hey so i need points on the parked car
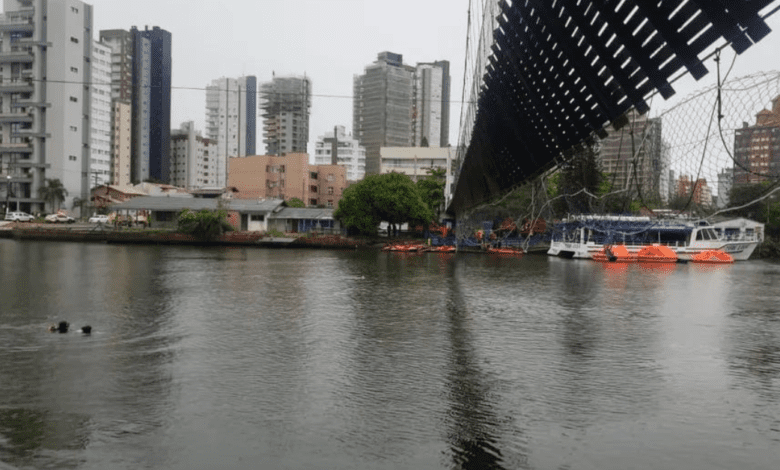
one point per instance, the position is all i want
(59, 218)
(128, 220)
(98, 219)
(19, 217)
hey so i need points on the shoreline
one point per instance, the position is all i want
(169, 237)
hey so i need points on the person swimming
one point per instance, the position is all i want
(62, 327)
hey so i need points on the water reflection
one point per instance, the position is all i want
(471, 420)
(753, 335)
(58, 383)
(31, 438)
(391, 371)
(608, 336)
(215, 358)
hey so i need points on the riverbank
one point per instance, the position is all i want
(102, 234)
(768, 249)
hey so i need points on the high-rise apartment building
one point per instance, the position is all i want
(100, 113)
(155, 42)
(193, 159)
(397, 105)
(141, 76)
(121, 142)
(757, 147)
(231, 111)
(633, 157)
(382, 107)
(725, 183)
(45, 60)
(431, 112)
(286, 103)
(121, 43)
(338, 148)
(702, 193)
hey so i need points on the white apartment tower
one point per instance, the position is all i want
(193, 159)
(121, 43)
(231, 116)
(45, 107)
(338, 148)
(431, 108)
(100, 142)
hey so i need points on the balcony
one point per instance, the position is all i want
(28, 164)
(28, 103)
(30, 133)
(15, 148)
(22, 179)
(20, 24)
(15, 117)
(19, 86)
(16, 56)
(33, 42)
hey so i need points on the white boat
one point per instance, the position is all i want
(583, 236)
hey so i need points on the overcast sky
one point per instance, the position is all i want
(328, 40)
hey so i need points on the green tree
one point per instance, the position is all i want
(53, 193)
(766, 211)
(580, 172)
(391, 197)
(294, 202)
(205, 224)
(432, 190)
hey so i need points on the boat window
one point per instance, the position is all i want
(713, 235)
(699, 235)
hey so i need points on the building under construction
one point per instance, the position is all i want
(285, 102)
(633, 158)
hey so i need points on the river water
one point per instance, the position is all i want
(238, 358)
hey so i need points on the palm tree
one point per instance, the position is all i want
(53, 193)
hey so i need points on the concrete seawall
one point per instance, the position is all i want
(162, 237)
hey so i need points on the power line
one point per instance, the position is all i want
(259, 93)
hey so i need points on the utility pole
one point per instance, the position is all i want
(334, 152)
(7, 193)
(89, 202)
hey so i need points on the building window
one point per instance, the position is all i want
(74, 69)
(312, 202)
(74, 9)
(74, 40)
(313, 189)
(313, 175)
(74, 99)
(330, 203)
(330, 189)
(72, 158)
(330, 177)
(74, 128)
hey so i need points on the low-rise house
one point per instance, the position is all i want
(243, 214)
(302, 220)
(107, 194)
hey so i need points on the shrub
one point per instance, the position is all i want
(205, 224)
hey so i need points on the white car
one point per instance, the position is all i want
(98, 219)
(19, 217)
(59, 218)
